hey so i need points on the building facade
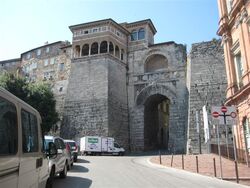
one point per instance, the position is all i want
(234, 27)
(49, 63)
(125, 86)
(10, 65)
(115, 81)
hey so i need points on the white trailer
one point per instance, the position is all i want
(92, 145)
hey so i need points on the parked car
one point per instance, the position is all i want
(74, 148)
(23, 162)
(69, 155)
(60, 163)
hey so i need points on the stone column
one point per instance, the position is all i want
(90, 49)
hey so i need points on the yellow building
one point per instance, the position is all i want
(234, 27)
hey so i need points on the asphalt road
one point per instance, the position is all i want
(133, 172)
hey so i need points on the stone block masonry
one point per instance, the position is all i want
(206, 85)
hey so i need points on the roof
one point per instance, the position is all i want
(98, 22)
(147, 21)
(162, 43)
(43, 46)
(10, 60)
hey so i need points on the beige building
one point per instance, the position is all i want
(234, 27)
(10, 65)
(49, 63)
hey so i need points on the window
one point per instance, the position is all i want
(77, 51)
(60, 89)
(8, 128)
(34, 65)
(141, 34)
(134, 35)
(61, 66)
(104, 47)
(47, 49)
(95, 30)
(104, 28)
(94, 48)
(117, 52)
(46, 62)
(122, 54)
(30, 132)
(85, 50)
(239, 68)
(86, 32)
(111, 48)
(52, 61)
(38, 52)
(28, 56)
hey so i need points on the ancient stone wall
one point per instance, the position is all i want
(207, 85)
(86, 103)
(117, 102)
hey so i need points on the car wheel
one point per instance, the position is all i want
(75, 159)
(63, 174)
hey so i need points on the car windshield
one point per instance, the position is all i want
(47, 141)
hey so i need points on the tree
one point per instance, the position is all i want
(38, 95)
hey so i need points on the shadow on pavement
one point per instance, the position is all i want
(72, 182)
(77, 168)
(82, 161)
(148, 153)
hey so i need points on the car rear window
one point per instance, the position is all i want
(72, 144)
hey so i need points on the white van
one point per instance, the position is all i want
(23, 162)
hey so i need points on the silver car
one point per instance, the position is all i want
(58, 164)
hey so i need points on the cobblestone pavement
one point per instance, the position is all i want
(206, 166)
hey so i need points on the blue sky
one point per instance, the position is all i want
(27, 24)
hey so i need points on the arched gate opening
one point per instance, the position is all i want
(156, 122)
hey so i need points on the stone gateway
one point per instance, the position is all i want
(124, 86)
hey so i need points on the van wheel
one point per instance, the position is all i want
(50, 181)
(63, 174)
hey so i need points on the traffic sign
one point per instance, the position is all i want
(215, 114)
(224, 109)
(224, 115)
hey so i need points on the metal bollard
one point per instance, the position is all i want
(172, 158)
(182, 162)
(160, 155)
(214, 168)
(236, 171)
(197, 165)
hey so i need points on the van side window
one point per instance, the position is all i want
(30, 132)
(8, 128)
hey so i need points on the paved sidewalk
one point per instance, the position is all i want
(206, 166)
